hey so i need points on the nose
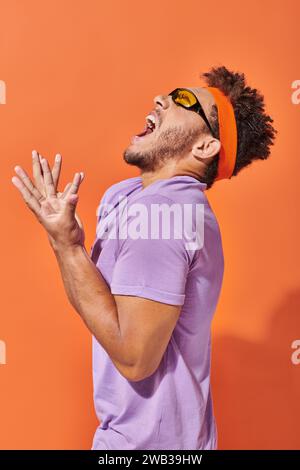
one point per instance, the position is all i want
(162, 101)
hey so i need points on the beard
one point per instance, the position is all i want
(172, 143)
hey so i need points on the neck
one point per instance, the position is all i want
(167, 171)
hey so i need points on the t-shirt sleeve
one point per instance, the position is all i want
(155, 269)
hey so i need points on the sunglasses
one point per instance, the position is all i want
(188, 100)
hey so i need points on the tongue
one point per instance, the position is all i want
(146, 131)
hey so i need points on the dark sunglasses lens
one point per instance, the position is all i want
(185, 98)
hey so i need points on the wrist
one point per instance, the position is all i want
(63, 248)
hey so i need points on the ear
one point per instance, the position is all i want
(206, 147)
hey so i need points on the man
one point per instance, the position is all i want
(148, 300)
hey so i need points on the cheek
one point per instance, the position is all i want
(186, 120)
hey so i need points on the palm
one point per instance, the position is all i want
(38, 178)
(52, 216)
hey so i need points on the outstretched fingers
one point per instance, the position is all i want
(28, 183)
(29, 198)
(72, 188)
(56, 170)
(50, 189)
(67, 187)
(38, 171)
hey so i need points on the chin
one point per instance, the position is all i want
(141, 159)
(131, 156)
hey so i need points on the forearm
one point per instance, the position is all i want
(90, 295)
(85, 286)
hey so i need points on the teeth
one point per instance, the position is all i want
(150, 119)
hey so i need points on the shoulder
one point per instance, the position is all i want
(182, 196)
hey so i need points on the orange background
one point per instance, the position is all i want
(81, 77)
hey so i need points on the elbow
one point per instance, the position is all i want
(137, 368)
(137, 376)
(135, 373)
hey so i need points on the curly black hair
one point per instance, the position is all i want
(254, 127)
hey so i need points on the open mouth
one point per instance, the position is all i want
(149, 128)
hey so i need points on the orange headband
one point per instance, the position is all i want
(228, 133)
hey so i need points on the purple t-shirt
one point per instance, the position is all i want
(172, 408)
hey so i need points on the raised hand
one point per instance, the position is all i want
(38, 172)
(56, 214)
(39, 180)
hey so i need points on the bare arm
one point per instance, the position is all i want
(134, 331)
(137, 340)
(89, 294)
